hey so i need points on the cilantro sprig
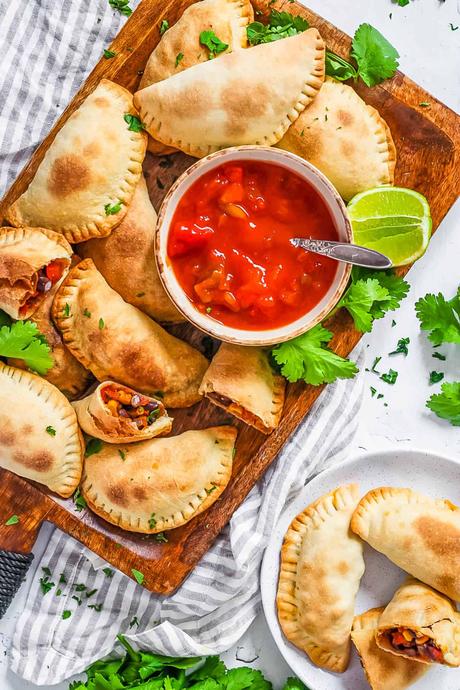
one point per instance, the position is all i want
(23, 340)
(440, 317)
(376, 59)
(307, 358)
(212, 43)
(446, 404)
(122, 6)
(143, 669)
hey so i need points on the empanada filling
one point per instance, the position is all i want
(140, 410)
(43, 281)
(414, 644)
(237, 410)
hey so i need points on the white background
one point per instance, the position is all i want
(430, 54)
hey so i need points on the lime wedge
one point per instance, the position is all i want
(392, 220)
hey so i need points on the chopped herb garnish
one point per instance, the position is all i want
(133, 122)
(66, 614)
(436, 376)
(401, 348)
(112, 209)
(373, 391)
(152, 521)
(138, 576)
(424, 104)
(108, 54)
(108, 572)
(393, 323)
(50, 430)
(46, 585)
(161, 537)
(212, 43)
(208, 310)
(93, 446)
(46, 570)
(164, 26)
(13, 520)
(66, 309)
(209, 491)
(90, 593)
(79, 501)
(133, 622)
(80, 587)
(58, 592)
(376, 361)
(438, 355)
(77, 599)
(87, 313)
(96, 607)
(390, 377)
(452, 27)
(122, 6)
(122, 454)
(62, 579)
(179, 58)
(153, 415)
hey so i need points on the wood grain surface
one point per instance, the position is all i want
(428, 144)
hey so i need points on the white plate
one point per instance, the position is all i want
(434, 475)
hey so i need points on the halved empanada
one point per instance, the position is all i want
(421, 624)
(126, 259)
(159, 484)
(420, 534)
(39, 434)
(118, 414)
(87, 178)
(245, 97)
(383, 671)
(116, 341)
(227, 18)
(321, 567)
(67, 373)
(32, 260)
(345, 138)
(241, 380)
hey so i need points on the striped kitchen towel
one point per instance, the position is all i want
(214, 606)
(48, 48)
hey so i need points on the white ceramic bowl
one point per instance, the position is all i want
(205, 322)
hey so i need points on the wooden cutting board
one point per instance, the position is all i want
(428, 144)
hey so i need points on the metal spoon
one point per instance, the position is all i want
(345, 251)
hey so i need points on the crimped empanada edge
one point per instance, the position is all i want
(226, 436)
(9, 235)
(67, 479)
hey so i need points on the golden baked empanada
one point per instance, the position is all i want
(159, 484)
(383, 671)
(420, 624)
(241, 380)
(345, 138)
(321, 567)
(227, 18)
(118, 414)
(420, 534)
(32, 260)
(66, 373)
(245, 97)
(85, 182)
(39, 434)
(126, 259)
(116, 341)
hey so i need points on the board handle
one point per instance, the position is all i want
(13, 569)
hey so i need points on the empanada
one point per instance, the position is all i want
(345, 138)
(39, 434)
(241, 380)
(245, 97)
(159, 484)
(126, 259)
(32, 260)
(67, 373)
(421, 624)
(118, 414)
(383, 671)
(87, 178)
(227, 18)
(116, 341)
(321, 567)
(420, 534)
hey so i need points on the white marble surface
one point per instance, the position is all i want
(430, 54)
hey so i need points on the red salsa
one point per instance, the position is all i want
(229, 245)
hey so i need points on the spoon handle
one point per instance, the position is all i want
(344, 251)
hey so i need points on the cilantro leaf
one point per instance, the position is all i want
(93, 446)
(440, 317)
(79, 501)
(294, 684)
(375, 56)
(164, 26)
(446, 404)
(280, 25)
(305, 357)
(436, 376)
(390, 377)
(339, 68)
(112, 209)
(23, 340)
(13, 520)
(133, 122)
(138, 576)
(179, 58)
(401, 347)
(213, 667)
(212, 43)
(108, 54)
(122, 6)
(244, 678)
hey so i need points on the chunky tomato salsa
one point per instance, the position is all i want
(229, 245)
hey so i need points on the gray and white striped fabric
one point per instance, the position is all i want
(219, 600)
(48, 48)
